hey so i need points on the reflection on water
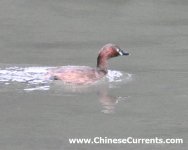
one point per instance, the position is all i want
(36, 113)
(109, 101)
(34, 79)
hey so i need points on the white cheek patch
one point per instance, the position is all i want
(120, 52)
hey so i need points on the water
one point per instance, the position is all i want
(38, 77)
(144, 95)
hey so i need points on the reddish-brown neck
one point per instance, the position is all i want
(108, 51)
(102, 63)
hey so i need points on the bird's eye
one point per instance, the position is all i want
(119, 51)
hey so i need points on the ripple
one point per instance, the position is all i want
(35, 77)
(118, 76)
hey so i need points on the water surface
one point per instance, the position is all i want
(42, 114)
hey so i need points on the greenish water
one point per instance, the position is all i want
(44, 115)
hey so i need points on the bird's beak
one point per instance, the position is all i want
(123, 52)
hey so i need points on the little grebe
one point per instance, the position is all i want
(86, 75)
